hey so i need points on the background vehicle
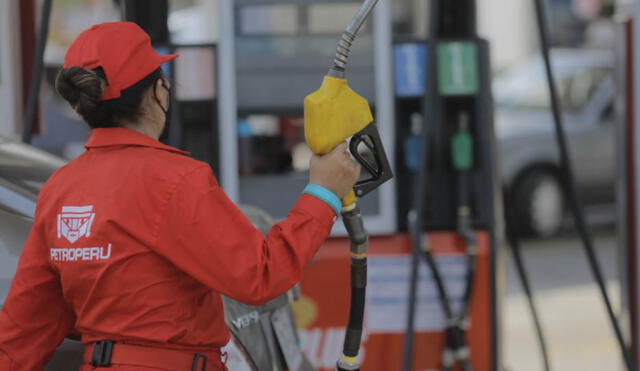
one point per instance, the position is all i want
(528, 153)
(23, 171)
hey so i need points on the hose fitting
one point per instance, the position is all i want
(342, 52)
(346, 363)
(358, 236)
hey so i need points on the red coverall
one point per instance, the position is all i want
(134, 242)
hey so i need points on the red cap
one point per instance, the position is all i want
(122, 49)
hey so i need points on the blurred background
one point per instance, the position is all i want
(280, 51)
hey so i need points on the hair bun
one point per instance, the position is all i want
(81, 88)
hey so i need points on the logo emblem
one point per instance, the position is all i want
(75, 222)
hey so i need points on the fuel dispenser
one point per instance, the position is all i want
(193, 118)
(454, 197)
(456, 147)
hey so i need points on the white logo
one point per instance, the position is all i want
(75, 222)
(81, 253)
(246, 319)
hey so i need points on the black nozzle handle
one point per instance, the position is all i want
(382, 172)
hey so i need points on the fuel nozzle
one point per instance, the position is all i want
(462, 156)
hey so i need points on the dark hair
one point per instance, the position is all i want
(83, 89)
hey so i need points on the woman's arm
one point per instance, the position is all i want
(207, 236)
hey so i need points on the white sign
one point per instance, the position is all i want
(388, 292)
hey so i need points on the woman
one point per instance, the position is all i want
(133, 242)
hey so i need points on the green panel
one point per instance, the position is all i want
(457, 68)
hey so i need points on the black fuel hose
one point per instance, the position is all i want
(356, 311)
(457, 351)
(415, 222)
(570, 188)
(36, 72)
(513, 237)
(359, 246)
(415, 217)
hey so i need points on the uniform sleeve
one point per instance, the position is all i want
(207, 236)
(35, 318)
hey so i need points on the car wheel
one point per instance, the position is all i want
(540, 204)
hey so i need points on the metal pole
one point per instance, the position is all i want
(36, 72)
(227, 102)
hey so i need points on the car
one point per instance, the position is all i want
(256, 345)
(528, 153)
(23, 171)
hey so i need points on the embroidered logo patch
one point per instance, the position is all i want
(75, 222)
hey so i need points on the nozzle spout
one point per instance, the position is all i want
(361, 16)
(348, 36)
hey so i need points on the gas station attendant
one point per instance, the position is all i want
(134, 241)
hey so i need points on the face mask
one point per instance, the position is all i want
(167, 113)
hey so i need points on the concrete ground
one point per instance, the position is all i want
(573, 315)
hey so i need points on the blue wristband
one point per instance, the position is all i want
(325, 195)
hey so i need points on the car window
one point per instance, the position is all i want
(582, 86)
(19, 187)
(23, 171)
(14, 229)
(529, 90)
(537, 95)
(16, 198)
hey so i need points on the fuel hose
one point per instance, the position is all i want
(415, 217)
(352, 219)
(513, 237)
(456, 350)
(359, 245)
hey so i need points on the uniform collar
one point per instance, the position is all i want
(106, 137)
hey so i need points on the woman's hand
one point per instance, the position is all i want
(335, 171)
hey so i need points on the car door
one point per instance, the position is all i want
(589, 131)
(14, 228)
(602, 187)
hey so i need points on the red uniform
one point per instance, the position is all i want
(134, 242)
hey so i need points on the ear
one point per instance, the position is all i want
(157, 88)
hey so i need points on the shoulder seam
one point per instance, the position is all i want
(170, 194)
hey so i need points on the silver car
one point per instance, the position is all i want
(528, 151)
(23, 171)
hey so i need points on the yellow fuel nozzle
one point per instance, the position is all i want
(332, 114)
